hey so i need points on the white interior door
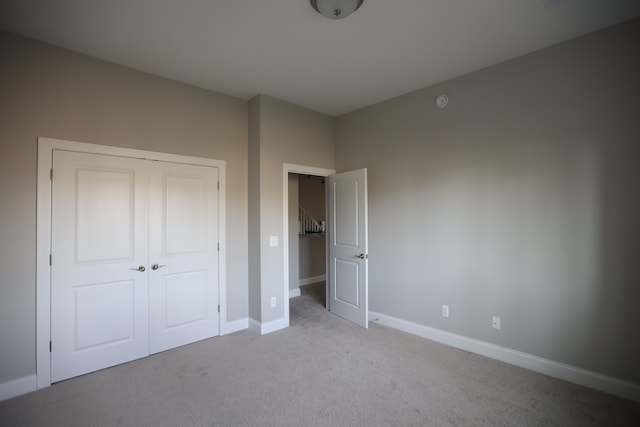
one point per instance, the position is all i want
(348, 246)
(183, 254)
(135, 259)
(99, 314)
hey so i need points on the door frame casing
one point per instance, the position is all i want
(46, 146)
(288, 168)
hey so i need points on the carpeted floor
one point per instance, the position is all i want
(321, 371)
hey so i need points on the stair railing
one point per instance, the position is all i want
(307, 224)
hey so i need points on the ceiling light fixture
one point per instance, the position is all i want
(336, 9)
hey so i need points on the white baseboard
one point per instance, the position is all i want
(17, 387)
(274, 325)
(612, 385)
(236, 325)
(268, 327)
(311, 280)
(294, 293)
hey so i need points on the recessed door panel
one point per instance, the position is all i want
(186, 294)
(345, 204)
(185, 200)
(104, 214)
(94, 322)
(346, 282)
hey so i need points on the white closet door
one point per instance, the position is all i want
(99, 298)
(183, 254)
(135, 259)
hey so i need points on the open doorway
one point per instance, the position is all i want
(307, 237)
(346, 265)
(290, 210)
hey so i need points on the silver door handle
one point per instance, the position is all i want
(140, 269)
(361, 256)
(156, 266)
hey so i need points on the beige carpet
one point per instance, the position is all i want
(322, 371)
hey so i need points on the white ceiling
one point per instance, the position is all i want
(285, 49)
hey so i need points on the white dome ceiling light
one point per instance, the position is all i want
(336, 9)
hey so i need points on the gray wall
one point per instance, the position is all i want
(520, 199)
(254, 209)
(312, 196)
(47, 91)
(312, 255)
(286, 133)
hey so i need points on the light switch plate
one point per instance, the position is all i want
(273, 241)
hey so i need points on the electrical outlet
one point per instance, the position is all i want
(496, 322)
(273, 241)
(273, 302)
(445, 311)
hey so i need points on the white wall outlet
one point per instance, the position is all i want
(496, 322)
(273, 241)
(445, 311)
(273, 302)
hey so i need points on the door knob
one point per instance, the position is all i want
(361, 256)
(140, 269)
(156, 266)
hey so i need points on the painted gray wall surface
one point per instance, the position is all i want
(287, 134)
(254, 209)
(312, 196)
(294, 264)
(312, 254)
(47, 91)
(312, 250)
(520, 199)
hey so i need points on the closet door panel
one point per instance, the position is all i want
(99, 298)
(183, 253)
